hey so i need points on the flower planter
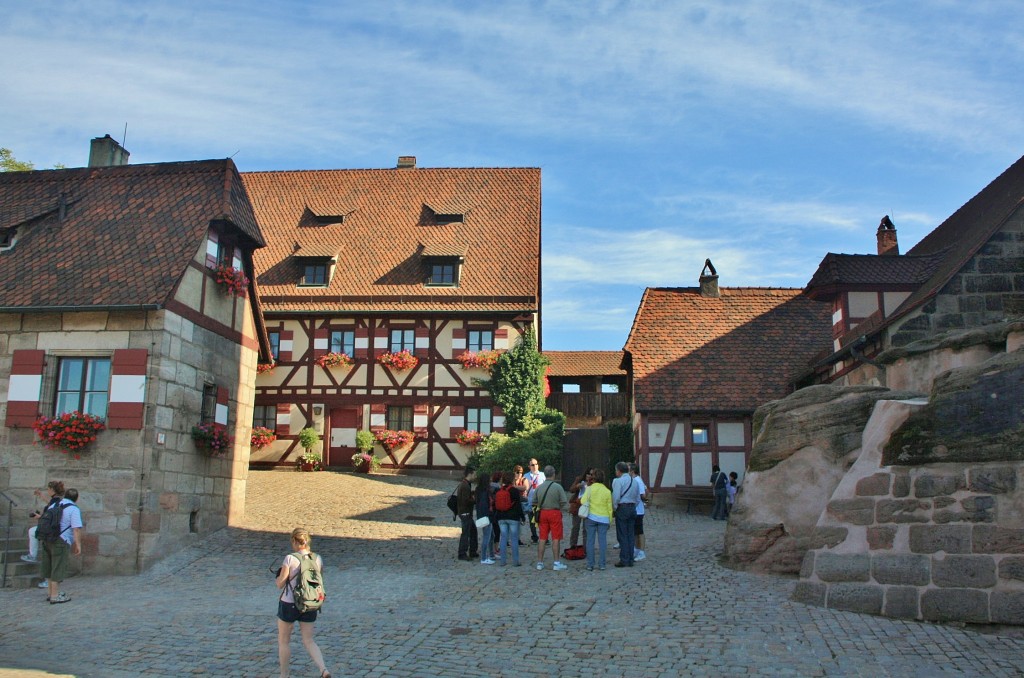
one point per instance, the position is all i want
(307, 466)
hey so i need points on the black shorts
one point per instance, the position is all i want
(288, 613)
(638, 525)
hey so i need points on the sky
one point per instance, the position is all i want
(761, 135)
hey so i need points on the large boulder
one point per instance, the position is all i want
(803, 445)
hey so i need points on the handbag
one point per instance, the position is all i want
(584, 510)
(483, 521)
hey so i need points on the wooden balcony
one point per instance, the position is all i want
(604, 405)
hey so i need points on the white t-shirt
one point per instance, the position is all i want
(293, 565)
(643, 490)
(69, 521)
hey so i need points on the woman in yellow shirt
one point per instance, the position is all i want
(598, 498)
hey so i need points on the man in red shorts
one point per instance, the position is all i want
(552, 500)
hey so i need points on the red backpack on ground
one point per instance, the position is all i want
(503, 499)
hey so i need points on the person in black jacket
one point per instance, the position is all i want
(508, 509)
(464, 509)
(719, 481)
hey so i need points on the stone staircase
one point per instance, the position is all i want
(20, 575)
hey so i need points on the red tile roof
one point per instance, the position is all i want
(389, 222)
(871, 270)
(585, 363)
(125, 236)
(726, 354)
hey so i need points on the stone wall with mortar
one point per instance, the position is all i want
(144, 493)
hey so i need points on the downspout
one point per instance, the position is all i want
(143, 457)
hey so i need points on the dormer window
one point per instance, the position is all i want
(443, 273)
(321, 217)
(443, 262)
(7, 238)
(315, 273)
(450, 213)
(449, 218)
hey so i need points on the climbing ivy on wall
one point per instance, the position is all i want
(517, 382)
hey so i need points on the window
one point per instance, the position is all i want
(403, 340)
(209, 406)
(478, 419)
(83, 384)
(442, 274)
(265, 416)
(7, 237)
(315, 274)
(225, 254)
(699, 434)
(275, 345)
(343, 341)
(570, 388)
(481, 340)
(399, 418)
(609, 388)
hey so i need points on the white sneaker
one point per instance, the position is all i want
(487, 561)
(540, 566)
(559, 566)
(639, 555)
(29, 559)
(43, 584)
(615, 546)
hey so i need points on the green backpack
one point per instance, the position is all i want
(309, 591)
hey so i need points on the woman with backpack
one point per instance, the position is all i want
(508, 508)
(288, 579)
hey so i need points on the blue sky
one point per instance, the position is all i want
(759, 134)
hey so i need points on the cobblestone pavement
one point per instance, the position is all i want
(401, 604)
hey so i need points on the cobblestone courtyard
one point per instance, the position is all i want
(400, 604)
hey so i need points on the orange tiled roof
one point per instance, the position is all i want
(123, 236)
(585, 363)
(726, 354)
(389, 223)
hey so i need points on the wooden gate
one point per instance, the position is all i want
(583, 448)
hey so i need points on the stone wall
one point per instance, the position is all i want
(987, 289)
(144, 493)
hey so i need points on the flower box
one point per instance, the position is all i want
(70, 432)
(402, 360)
(263, 368)
(261, 437)
(392, 440)
(232, 280)
(211, 438)
(329, 360)
(484, 360)
(469, 438)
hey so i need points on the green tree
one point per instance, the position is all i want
(517, 381)
(8, 163)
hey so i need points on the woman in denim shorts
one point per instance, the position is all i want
(288, 614)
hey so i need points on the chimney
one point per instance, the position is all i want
(709, 281)
(407, 162)
(105, 152)
(886, 235)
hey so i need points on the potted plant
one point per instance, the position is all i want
(310, 460)
(402, 360)
(70, 432)
(392, 440)
(233, 280)
(261, 437)
(329, 360)
(263, 368)
(363, 460)
(211, 438)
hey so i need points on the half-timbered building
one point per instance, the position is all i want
(385, 292)
(701, 360)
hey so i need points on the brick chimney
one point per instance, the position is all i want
(886, 235)
(407, 162)
(105, 152)
(709, 280)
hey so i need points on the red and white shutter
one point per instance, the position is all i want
(501, 339)
(497, 420)
(422, 341)
(220, 416)
(127, 388)
(378, 416)
(380, 341)
(286, 345)
(321, 342)
(456, 420)
(420, 419)
(212, 249)
(458, 342)
(362, 342)
(24, 388)
(283, 426)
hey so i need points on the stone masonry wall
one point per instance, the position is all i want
(989, 288)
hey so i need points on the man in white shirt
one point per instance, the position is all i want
(55, 557)
(535, 477)
(625, 497)
(638, 529)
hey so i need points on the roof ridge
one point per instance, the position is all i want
(385, 169)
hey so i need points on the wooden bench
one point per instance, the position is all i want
(690, 495)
